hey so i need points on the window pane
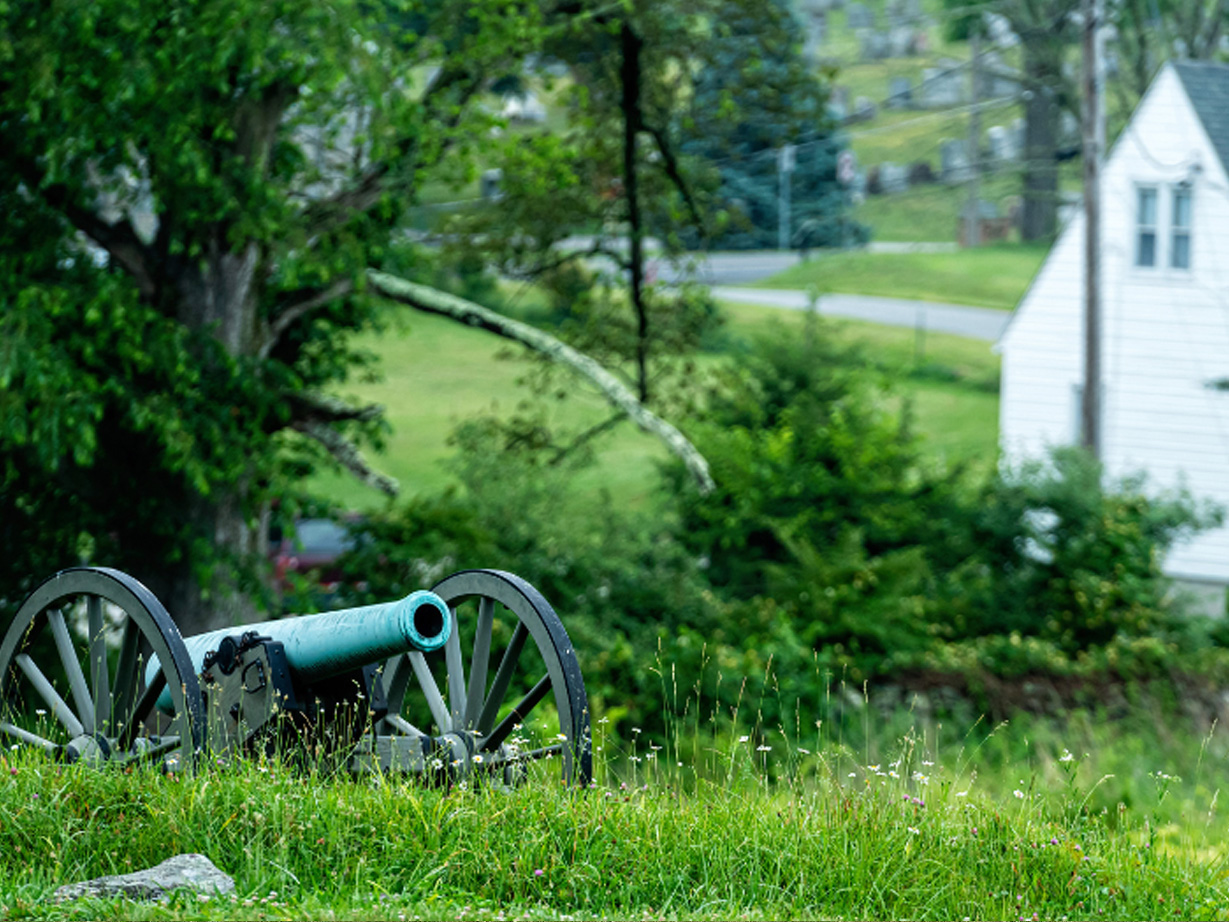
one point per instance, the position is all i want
(1180, 251)
(1147, 208)
(1182, 208)
(1145, 255)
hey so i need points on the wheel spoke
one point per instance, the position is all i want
(164, 745)
(456, 674)
(534, 755)
(400, 723)
(503, 676)
(100, 682)
(517, 715)
(435, 701)
(142, 709)
(126, 676)
(480, 663)
(72, 667)
(49, 695)
(397, 672)
(27, 737)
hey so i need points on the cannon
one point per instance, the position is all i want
(93, 669)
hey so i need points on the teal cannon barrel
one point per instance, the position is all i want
(328, 644)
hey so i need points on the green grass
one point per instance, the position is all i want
(437, 373)
(929, 212)
(950, 383)
(994, 276)
(754, 824)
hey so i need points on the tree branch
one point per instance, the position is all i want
(675, 174)
(119, 239)
(360, 198)
(584, 438)
(348, 456)
(546, 265)
(321, 408)
(432, 301)
(283, 321)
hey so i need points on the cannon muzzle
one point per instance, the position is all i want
(328, 644)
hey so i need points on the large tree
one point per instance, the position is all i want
(657, 97)
(194, 191)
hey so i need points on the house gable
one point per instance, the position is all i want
(1165, 327)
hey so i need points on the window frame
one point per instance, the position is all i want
(1140, 228)
(1185, 231)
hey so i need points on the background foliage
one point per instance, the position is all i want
(832, 545)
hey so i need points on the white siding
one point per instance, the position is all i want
(1165, 331)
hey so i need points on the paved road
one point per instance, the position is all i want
(973, 322)
(724, 270)
(736, 267)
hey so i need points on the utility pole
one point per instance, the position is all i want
(1093, 144)
(972, 223)
(785, 169)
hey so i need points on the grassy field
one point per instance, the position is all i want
(930, 212)
(437, 374)
(738, 823)
(986, 277)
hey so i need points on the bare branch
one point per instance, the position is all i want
(322, 408)
(361, 197)
(585, 437)
(598, 248)
(675, 174)
(432, 301)
(283, 321)
(348, 456)
(120, 240)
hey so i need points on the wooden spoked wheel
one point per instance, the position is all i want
(75, 679)
(498, 717)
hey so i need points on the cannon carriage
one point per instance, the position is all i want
(92, 668)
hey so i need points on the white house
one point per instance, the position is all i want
(1165, 312)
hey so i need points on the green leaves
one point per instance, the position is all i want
(195, 186)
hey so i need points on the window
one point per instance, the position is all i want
(1180, 236)
(1145, 220)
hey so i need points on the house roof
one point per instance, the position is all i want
(1207, 85)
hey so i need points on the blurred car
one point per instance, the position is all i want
(312, 547)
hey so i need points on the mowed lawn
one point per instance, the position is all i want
(993, 276)
(436, 374)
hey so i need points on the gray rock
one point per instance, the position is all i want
(900, 93)
(864, 110)
(902, 42)
(942, 87)
(838, 103)
(859, 17)
(1068, 128)
(893, 177)
(1003, 147)
(876, 46)
(183, 872)
(953, 161)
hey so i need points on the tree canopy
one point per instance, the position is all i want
(196, 191)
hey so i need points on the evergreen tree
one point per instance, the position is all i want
(754, 96)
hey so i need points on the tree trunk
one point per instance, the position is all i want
(632, 122)
(1039, 220)
(216, 297)
(204, 602)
